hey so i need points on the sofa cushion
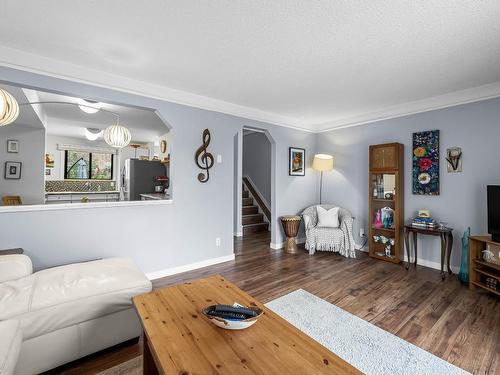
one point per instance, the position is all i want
(62, 296)
(14, 266)
(10, 345)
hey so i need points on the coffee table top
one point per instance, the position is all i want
(182, 340)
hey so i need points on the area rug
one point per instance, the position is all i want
(370, 349)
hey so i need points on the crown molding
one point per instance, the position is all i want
(17, 59)
(33, 63)
(452, 99)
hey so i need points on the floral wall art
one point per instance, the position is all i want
(426, 163)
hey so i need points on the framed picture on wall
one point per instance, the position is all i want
(12, 170)
(13, 146)
(296, 161)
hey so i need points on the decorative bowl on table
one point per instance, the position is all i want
(232, 317)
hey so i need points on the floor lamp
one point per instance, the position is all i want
(322, 163)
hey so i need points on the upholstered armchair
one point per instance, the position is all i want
(338, 240)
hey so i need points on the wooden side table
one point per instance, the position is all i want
(446, 235)
(291, 224)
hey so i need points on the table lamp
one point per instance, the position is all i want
(322, 163)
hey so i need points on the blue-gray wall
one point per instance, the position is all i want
(257, 162)
(474, 127)
(158, 237)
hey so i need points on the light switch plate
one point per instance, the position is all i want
(219, 158)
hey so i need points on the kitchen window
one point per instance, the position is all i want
(80, 165)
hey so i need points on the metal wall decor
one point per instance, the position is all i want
(454, 159)
(204, 159)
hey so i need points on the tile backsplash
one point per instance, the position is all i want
(84, 185)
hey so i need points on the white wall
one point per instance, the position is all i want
(31, 154)
(257, 163)
(474, 127)
(160, 237)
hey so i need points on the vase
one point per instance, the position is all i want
(463, 275)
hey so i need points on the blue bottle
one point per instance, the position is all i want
(463, 275)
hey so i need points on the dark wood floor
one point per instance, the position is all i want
(442, 317)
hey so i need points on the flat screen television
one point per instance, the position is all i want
(494, 212)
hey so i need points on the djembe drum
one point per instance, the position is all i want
(291, 226)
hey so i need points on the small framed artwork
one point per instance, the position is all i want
(12, 146)
(296, 162)
(49, 161)
(12, 170)
(47, 171)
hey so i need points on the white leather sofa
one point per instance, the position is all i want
(66, 312)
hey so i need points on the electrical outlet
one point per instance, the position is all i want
(219, 159)
(217, 242)
(361, 232)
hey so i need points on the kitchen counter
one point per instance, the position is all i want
(154, 196)
(81, 192)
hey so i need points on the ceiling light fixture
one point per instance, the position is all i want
(9, 109)
(117, 136)
(92, 133)
(89, 106)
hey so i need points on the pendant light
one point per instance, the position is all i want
(92, 133)
(90, 106)
(9, 109)
(117, 136)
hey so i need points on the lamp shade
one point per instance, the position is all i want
(323, 162)
(117, 136)
(9, 109)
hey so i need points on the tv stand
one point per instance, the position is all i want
(479, 269)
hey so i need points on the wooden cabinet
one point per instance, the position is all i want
(479, 269)
(385, 157)
(386, 201)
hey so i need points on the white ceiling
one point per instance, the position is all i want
(312, 64)
(70, 121)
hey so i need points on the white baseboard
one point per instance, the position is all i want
(188, 267)
(430, 264)
(277, 246)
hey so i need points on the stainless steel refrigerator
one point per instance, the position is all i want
(138, 177)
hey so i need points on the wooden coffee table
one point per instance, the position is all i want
(178, 339)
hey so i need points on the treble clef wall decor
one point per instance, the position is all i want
(204, 159)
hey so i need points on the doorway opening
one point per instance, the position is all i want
(254, 183)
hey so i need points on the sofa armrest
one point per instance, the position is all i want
(14, 266)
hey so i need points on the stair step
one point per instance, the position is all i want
(255, 228)
(252, 219)
(245, 194)
(249, 210)
(247, 201)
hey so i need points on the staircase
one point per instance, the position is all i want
(252, 220)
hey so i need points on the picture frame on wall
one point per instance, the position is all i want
(13, 170)
(296, 161)
(426, 163)
(13, 146)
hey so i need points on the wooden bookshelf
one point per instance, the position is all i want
(479, 269)
(385, 175)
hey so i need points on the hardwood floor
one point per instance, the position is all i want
(442, 317)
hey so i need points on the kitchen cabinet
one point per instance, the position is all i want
(76, 197)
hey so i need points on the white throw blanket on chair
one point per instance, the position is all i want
(338, 240)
